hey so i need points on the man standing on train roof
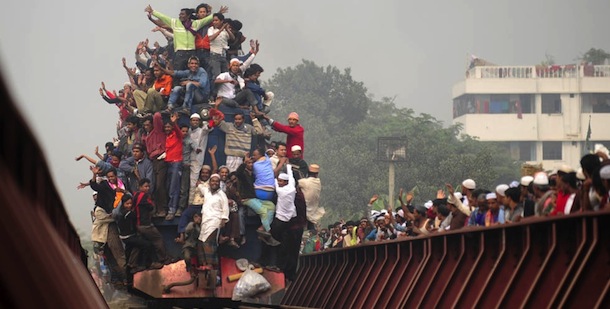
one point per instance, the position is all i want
(294, 131)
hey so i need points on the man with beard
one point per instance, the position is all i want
(300, 168)
(214, 214)
(495, 214)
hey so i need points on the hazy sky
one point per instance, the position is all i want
(55, 53)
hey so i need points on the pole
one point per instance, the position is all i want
(391, 185)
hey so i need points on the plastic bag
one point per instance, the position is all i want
(250, 284)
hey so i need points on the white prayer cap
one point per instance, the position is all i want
(500, 189)
(195, 115)
(296, 148)
(526, 180)
(215, 175)
(566, 169)
(401, 213)
(283, 176)
(541, 179)
(579, 174)
(428, 204)
(490, 196)
(469, 184)
(513, 184)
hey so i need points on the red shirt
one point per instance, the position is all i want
(294, 137)
(560, 203)
(173, 145)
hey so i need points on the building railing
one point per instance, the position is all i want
(553, 71)
(560, 262)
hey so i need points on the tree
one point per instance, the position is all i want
(341, 136)
(328, 93)
(595, 56)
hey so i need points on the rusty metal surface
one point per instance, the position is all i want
(562, 262)
(151, 282)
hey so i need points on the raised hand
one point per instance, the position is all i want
(148, 9)
(173, 117)
(212, 150)
(373, 199)
(409, 197)
(450, 188)
(440, 194)
(223, 9)
(124, 62)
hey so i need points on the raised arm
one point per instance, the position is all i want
(212, 152)
(452, 199)
(215, 35)
(90, 159)
(97, 153)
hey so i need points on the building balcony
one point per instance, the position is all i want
(534, 79)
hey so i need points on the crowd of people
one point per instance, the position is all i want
(559, 192)
(155, 168)
(177, 94)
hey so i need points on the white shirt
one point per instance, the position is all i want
(214, 209)
(227, 90)
(220, 43)
(285, 208)
(199, 138)
(569, 204)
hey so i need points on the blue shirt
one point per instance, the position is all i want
(200, 76)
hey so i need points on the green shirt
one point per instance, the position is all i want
(183, 39)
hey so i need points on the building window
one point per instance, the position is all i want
(527, 104)
(527, 151)
(522, 151)
(552, 151)
(601, 102)
(551, 104)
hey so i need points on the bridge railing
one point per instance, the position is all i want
(557, 262)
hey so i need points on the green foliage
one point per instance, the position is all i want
(595, 56)
(342, 125)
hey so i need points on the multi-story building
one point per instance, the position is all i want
(542, 113)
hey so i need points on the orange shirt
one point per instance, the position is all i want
(165, 83)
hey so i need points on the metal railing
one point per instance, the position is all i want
(562, 262)
(554, 71)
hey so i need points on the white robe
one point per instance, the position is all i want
(215, 208)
